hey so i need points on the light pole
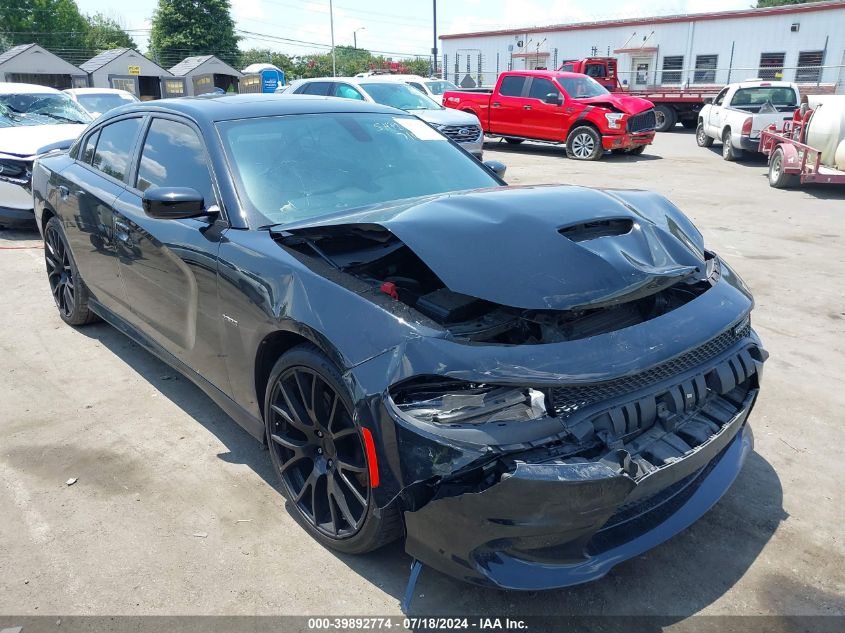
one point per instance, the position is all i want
(355, 36)
(331, 25)
(434, 48)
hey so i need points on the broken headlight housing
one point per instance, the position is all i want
(445, 402)
(613, 119)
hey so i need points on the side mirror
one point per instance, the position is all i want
(553, 98)
(708, 100)
(496, 167)
(173, 203)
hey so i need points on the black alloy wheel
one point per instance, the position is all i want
(66, 285)
(318, 452)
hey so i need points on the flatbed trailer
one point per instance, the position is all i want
(791, 160)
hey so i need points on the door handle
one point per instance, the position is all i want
(495, 104)
(63, 192)
(526, 107)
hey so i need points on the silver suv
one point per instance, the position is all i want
(461, 127)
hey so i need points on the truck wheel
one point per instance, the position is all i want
(666, 118)
(636, 151)
(778, 178)
(729, 152)
(513, 141)
(701, 138)
(584, 143)
(689, 124)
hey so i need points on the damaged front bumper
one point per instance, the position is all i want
(553, 524)
(628, 140)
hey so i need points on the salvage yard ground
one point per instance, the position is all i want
(175, 509)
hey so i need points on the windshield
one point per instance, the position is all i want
(400, 96)
(40, 109)
(290, 168)
(439, 87)
(101, 103)
(581, 87)
(754, 98)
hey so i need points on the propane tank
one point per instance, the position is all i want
(826, 129)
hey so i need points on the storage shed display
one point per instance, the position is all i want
(128, 70)
(207, 73)
(32, 64)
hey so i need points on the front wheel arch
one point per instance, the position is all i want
(594, 128)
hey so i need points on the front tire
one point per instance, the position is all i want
(777, 177)
(584, 143)
(729, 152)
(513, 141)
(318, 452)
(69, 291)
(701, 138)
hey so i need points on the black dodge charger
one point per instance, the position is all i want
(527, 384)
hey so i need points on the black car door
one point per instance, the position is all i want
(169, 267)
(87, 190)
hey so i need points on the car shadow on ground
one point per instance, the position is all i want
(19, 235)
(543, 149)
(677, 579)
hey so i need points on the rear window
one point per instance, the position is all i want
(512, 86)
(757, 96)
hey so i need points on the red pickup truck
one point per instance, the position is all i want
(559, 107)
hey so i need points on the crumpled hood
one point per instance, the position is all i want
(623, 103)
(535, 247)
(30, 140)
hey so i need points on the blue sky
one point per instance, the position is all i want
(401, 26)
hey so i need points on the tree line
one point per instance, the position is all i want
(180, 28)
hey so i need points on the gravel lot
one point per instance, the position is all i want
(176, 509)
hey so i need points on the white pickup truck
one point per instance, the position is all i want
(741, 110)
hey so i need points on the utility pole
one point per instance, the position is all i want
(434, 48)
(331, 25)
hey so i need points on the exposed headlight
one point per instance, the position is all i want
(453, 402)
(13, 168)
(613, 119)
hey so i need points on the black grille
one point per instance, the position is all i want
(567, 400)
(642, 122)
(461, 133)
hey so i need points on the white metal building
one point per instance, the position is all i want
(205, 73)
(128, 70)
(32, 64)
(804, 43)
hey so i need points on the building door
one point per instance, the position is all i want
(640, 72)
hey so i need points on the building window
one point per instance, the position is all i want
(672, 69)
(705, 69)
(809, 66)
(771, 65)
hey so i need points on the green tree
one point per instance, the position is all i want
(105, 33)
(777, 3)
(182, 28)
(265, 56)
(57, 25)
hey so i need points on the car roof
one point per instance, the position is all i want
(99, 91)
(13, 88)
(765, 83)
(255, 105)
(549, 74)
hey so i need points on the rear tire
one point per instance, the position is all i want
(729, 152)
(701, 138)
(666, 118)
(584, 143)
(514, 141)
(318, 453)
(689, 124)
(636, 151)
(777, 177)
(69, 291)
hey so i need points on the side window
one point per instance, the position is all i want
(512, 86)
(418, 86)
(540, 88)
(568, 68)
(88, 151)
(320, 88)
(114, 147)
(173, 156)
(345, 91)
(720, 97)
